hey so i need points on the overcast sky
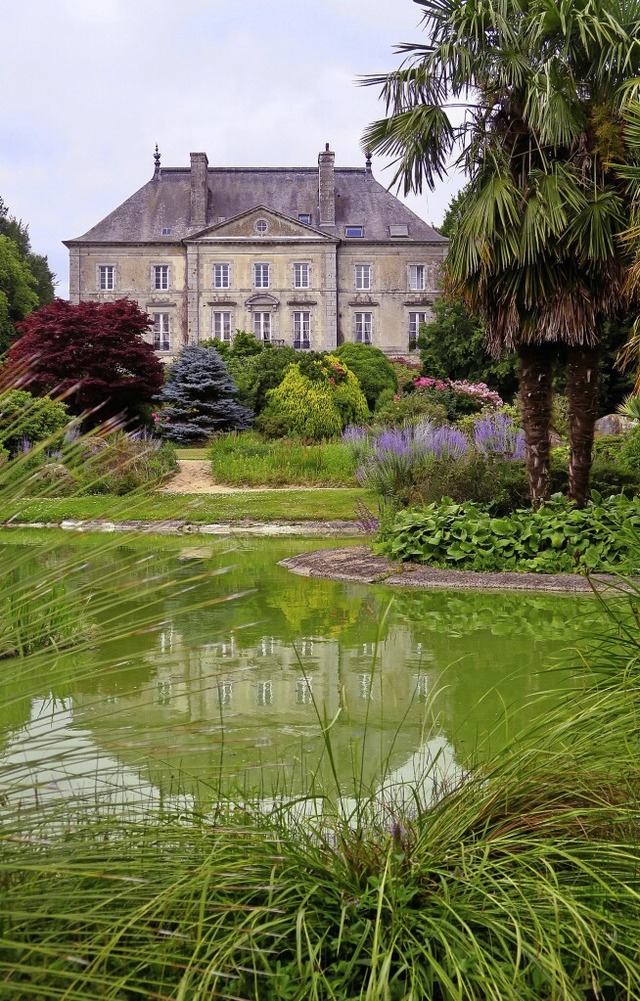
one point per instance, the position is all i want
(89, 86)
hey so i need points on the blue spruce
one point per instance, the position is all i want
(198, 398)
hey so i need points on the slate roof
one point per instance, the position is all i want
(164, 202)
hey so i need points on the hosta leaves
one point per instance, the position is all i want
(558, 538)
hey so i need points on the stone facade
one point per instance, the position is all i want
(310, 257)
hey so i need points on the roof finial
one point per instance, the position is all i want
(368, 159)
(156, 158)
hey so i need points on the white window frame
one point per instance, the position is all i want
(416, 318)
(354, 232)
(106, 277)
(304, 692)
(304, 218)
(363, 277)
(161, 332)
(222, 275)
(221, 325)
(301, 328)
(264, 693)
(417, 277)
(161, 277)
(363, 327)
(262, 326)
(261, 275)
(301, 275)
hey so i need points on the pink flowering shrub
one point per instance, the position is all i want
(460, 397)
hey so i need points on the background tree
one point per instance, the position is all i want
(93, 352)
(198, 399)
(18, 295)
(371, 367)
(26, 281)
(537, 250)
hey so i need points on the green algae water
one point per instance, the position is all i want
(232, 676)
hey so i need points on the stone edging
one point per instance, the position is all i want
(328, 529)
(359, 564)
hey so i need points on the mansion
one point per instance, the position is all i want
(306, 256)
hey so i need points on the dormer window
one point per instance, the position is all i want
(262, 226)
(354, 231)
(166, 231)
(399, 229)
(304, 217)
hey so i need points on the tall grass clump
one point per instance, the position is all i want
(518, 881)
(246, 459)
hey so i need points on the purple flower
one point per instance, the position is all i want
(499, 435)
(448, 443)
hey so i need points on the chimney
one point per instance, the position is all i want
(199, 189)
(327, 187)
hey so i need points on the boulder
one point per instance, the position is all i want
(615, 424)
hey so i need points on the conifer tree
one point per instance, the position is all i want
(199, 398)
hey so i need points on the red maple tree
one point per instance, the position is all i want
(92, 351)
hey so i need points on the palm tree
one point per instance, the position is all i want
(539, 89)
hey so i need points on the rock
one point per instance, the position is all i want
(615, 424)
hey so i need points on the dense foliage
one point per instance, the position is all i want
(199, 399)
(453, 346)
(558, 538)
(26, 420)
(93, 353)
(26, 281)
(318, 397)
(374, 371)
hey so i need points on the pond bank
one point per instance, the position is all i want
(324, 529)
(360, 565)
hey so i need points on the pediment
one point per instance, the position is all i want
(262, 299)
(260, 225)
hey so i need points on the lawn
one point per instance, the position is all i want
(263, 505)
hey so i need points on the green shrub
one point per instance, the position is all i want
(394, 410)
(317, 405)
(371, 367)
(500, 484)
(558, 538)
(31, 418)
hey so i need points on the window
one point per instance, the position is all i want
(301, 276)
(161, 333)
(107, 276)
(363, 325)
(354, 231)
(262, 326)
(304, 217)
(166, 231)
(417, 277)
(304, 696)
(221, 276)
(261, 275)
(363, 276)
(264, 693)
(262, 227)
(225, 693)
(222, 326)
(415, 319)
(399, 229)
(161, 276)
(301, 329)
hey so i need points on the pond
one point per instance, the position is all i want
(232, 667)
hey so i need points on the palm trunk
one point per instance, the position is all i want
(536, 370)
(582, 393)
